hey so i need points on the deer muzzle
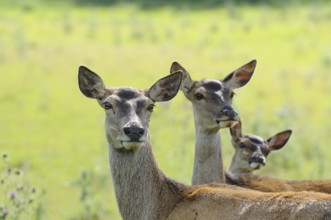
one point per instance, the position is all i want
(227, 117)
(257, 161)
(135, 132)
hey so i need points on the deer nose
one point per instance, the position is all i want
(134, 131)
(259, 159)
(230, 112)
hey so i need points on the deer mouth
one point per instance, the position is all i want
(256, 162)
(226, 123)
(256, 165)
(132, 145)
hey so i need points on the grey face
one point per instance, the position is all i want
(211, 99)
(128, 112)
(211, 102)
(250, 152)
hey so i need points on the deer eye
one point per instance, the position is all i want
(242, 145)
(232, 94)
(150, 107)
(107, 105)
(198, 96)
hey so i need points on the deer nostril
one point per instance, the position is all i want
(141, 131)
(127, 130)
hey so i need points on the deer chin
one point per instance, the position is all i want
(226, 123)
(255, 165)
(132, 145)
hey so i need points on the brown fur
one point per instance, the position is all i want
(269, 184)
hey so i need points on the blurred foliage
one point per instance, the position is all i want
(18, 199)
(47, 123)
(89, 183)
(28, 4)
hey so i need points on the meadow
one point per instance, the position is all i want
(55, 135)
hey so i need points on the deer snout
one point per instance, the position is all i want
(229, 112)
(227, 117)
(257, 160)
(134, 131)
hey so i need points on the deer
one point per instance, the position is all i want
(212, 109)
(250, 154)
(142, 189)
(208, 98)
(251, 151)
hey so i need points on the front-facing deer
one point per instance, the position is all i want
(211, 101)
(250, 154)
(143, 191)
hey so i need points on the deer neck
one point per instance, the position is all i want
(208, 163)
(235, 170)
(142, 190)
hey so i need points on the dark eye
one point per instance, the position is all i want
(107, 105)
(242, 145)
(150, 107)
(232, 94)
(198, 96)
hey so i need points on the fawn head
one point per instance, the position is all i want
(128, 110)
(212, 99)
(251, 151)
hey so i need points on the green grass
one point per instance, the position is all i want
(50, 128)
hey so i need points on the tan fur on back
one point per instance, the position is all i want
(236, 203)
(268, 184)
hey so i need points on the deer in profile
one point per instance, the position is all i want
(143, 191)
(211, 101)
(250, 154)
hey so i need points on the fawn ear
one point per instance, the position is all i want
(278, 141)
(240, 76)
(187, 82)
(90, 84)
(166, 88)
(235, 132)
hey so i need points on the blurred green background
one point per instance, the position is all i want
(55, 135)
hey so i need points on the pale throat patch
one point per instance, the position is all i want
(255, 165)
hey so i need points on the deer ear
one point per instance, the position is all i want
(187, 82)
(166, 88)
(90, 84)
(278, 141)
(235, 132)
(240, 76)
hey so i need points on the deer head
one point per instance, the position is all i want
(128, 110)
(251, 151)
(212, 99)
